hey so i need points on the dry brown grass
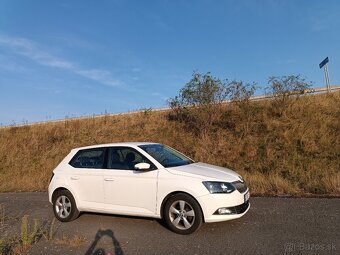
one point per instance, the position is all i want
(291, 151)
(75, 241)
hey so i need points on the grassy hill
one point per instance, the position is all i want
(294, 151)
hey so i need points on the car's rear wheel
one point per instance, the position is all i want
(64, 206)
(182, 214)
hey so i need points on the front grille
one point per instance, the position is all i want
(240, 186)
(242, 208)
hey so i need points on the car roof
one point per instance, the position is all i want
(131, 144)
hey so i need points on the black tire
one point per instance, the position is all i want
(182, 214)
(64, 206)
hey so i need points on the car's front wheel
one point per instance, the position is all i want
(64, 206)
(182, 214)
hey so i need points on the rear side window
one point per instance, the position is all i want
(89, 158)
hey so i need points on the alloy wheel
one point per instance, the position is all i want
(63, 206)
(181, 215)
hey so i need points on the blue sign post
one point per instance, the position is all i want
(324, 65)
(324, 62)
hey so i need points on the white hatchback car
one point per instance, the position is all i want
(146, 179)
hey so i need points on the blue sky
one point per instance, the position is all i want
(73, 58)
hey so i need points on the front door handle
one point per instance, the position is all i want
(74, 178)
(109, 179)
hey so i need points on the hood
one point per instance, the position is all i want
(205, 171)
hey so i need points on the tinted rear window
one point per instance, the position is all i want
(89, 158)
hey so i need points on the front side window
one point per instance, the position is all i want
(166, 156)
(89, 158)
(125, 158)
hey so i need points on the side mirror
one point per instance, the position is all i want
(142, 166)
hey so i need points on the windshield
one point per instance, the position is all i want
(165, 155)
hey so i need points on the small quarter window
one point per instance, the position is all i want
(89, 158)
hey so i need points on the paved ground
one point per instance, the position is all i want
(272, 226)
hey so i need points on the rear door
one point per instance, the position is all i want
(87, 177)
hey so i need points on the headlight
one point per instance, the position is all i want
(219, 187)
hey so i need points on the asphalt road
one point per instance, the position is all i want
(272, 226)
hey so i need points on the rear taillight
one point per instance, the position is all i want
(51, 177)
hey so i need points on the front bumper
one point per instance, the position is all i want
(234, 201)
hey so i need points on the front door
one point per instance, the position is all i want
(128, 191)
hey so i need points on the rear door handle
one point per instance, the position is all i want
(109, 179)
(74, 178)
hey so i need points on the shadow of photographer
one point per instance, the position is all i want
(94, 250)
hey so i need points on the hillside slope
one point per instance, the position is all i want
(294, 152)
